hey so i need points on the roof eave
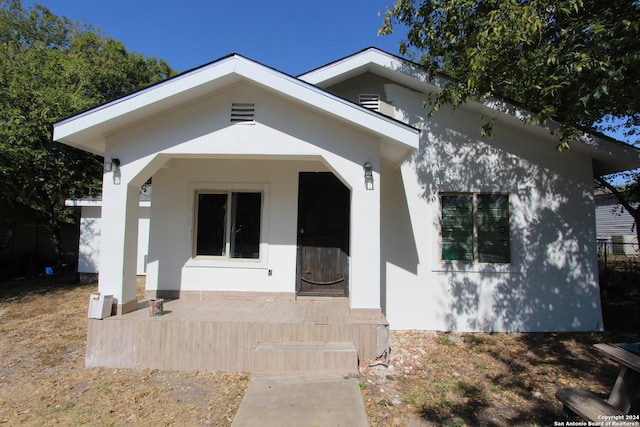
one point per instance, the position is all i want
(88, 130)
(609, 155)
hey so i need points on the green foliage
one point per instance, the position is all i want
(51, 68)
(576, 62)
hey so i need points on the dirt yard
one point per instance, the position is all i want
(43, 380)
(430, 378)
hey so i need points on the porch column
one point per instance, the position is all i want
(365, 243)
(118, 241)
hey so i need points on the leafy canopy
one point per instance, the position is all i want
(51, 68)
(576, 62)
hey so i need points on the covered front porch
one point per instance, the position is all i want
(235, 226)
(241, 332)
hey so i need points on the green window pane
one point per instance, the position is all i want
(457, 228)
(493, 228)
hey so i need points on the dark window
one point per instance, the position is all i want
(212, 224)
(475, 228)
(245, 225)
(232, 233)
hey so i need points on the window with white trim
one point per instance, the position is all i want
(475, 228)
(228, 224)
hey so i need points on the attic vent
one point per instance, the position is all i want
(370, 101)
(243, 112)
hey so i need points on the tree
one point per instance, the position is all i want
(51, 68)
(576, 62)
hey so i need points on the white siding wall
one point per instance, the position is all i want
(612, 219)
(616, 226)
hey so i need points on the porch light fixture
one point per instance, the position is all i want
(368, 176)
(112, 166)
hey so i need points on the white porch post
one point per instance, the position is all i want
(118, 241)
(365, 243)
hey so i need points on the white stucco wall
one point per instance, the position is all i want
(89, 243)
(552, 280)
(171, 266)
(196, 146)
(551, 283)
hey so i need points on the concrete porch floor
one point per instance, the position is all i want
(222, 334)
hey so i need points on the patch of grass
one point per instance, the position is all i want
(446, 398)
(455, 422)
(467, 390)
(503, 379)
(481, 340)
(43, 380)
(481, 367)
(445, 340)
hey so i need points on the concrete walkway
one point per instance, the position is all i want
(302, 401)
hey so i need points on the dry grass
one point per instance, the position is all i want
(501, 379)
(484, 379)
(431, 379)
(43, 380)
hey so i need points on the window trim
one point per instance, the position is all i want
(227, 261)
(475, 261)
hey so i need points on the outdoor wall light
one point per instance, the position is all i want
(368, 176)
(112, 166)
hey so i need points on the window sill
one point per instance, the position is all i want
(206, 262)
(483, 268)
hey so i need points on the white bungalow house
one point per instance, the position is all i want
(336, 186)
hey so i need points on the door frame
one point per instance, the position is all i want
(331, 180)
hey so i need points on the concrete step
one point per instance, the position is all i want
(308, 358)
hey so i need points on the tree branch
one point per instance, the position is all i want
(635, 212)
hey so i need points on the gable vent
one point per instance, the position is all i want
(370, 101)
(243, 113)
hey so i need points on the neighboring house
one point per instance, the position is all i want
(265, 183)
(615, 227)
(90, 231)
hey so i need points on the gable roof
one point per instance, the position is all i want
(88, 130)
(608, 155)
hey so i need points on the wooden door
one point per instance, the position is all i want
(323, 235)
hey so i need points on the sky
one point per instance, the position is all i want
(291, 36)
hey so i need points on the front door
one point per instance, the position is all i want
(323, 235)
